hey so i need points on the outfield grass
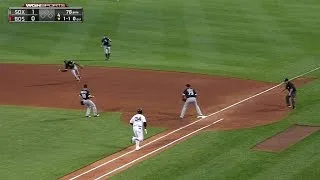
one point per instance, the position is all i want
(39, 143)
(263, 40)
(227, 155)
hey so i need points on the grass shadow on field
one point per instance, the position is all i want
(88, 60)
(51, 84)
(56, 120)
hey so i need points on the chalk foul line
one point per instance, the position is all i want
(228, 107)
(158, 149)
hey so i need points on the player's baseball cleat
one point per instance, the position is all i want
(88, 116)
(97, 115)
(137, 148)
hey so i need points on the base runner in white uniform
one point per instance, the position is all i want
(139, 123)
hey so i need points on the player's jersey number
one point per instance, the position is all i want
(137, 119)
(190, 92)
(83, 94)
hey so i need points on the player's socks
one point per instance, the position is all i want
(137, 144)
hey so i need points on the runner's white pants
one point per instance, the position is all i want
(138, 133)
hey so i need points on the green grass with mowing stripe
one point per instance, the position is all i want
(39, 143)
(227, 155)
(263, 40)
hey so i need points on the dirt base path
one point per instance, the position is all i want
(158, 93)
(286, 138)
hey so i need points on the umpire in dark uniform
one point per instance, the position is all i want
(292, 92)
(106, 44)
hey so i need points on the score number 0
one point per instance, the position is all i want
(22, 12)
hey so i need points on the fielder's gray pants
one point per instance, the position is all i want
(90, 106)
(75, 72)
(106, 49)
(190, 100)
(292, 99)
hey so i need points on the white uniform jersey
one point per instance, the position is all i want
(138, 120)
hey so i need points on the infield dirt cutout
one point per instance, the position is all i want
(286, 138)
(157, 92)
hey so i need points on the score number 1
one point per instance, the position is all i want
(23, 13)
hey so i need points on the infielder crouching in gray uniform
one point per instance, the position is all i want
(85, 100)
(189, 96)
(73, 66)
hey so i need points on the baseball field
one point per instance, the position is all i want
(236, 54)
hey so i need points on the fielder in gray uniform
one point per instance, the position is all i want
(189, 96)
(85, 100)
(73, 66)
(106, 44)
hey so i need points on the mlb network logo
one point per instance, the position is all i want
(45, 5)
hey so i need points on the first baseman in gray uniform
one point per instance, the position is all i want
(85, 100)
(189, 96)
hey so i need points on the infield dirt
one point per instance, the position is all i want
(157, 92)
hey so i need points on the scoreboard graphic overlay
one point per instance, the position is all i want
(45, 13)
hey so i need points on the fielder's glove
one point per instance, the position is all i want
(81, 102)
(184, 99)
(63, 70)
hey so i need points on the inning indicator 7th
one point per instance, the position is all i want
(45, 14)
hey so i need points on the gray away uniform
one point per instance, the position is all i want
(85, 100)
(191, 96)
